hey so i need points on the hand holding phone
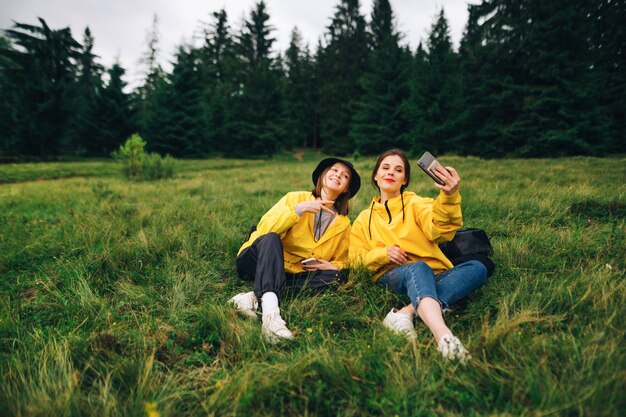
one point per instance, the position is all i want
(428, 163)
(314, 264)
(309, 261)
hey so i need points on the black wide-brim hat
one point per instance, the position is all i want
(355, 179)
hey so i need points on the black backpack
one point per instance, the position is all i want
(469, 244)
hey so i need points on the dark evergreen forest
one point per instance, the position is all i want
(531, 78)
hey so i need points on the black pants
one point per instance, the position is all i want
(263, 262)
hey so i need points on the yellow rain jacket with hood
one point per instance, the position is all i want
(297, 234)
(416, 224)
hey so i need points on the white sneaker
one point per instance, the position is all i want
(400, 323)
(452, 348)
(246, 303)
(274, 328)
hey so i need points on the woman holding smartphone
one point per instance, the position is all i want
(302, 225)
(397, 239)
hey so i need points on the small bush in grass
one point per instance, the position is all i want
(137, 164)
(131, 155)
(156, 167)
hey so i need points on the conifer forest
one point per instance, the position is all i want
(530, 78)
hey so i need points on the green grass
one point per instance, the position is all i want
(113, 294)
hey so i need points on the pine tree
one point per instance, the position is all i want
(79, 136)
(43, 71)
(254, 126)
(217, 58)
(608, 68)
(434, 105)
(314, 89)
(377, 123)
(153, 72)
(411, 107)
(151, 94)
(527, 69)
(8, 109)
(111, 120)
(483, 76)
(342, 63)
(559, 111)
(154, 116)
(299, 102)
(181, 116)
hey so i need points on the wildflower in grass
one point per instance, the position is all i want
(219, 384)
(151, 409)
(309, 330)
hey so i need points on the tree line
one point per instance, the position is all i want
(531, 78)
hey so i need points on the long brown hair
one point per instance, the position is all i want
(341, 203)
(405, 161)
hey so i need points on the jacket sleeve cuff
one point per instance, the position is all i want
(454, 198)
(376, 258)
(338, 264)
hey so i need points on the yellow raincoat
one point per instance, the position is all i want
(426, 223)
(297, 234)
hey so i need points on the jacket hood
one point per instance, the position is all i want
(393, 206)
(389, 210)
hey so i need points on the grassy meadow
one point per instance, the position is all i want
(113, 298)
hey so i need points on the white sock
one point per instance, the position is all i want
(269, 302)
(446, 336)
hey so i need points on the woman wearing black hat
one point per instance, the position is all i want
(301, 226)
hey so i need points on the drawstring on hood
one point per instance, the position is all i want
(369, 223)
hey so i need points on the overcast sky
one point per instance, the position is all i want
(120, 27)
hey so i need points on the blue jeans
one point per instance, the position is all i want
(417, 280)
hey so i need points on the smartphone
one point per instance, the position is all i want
(309, 261)
(428, 163)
